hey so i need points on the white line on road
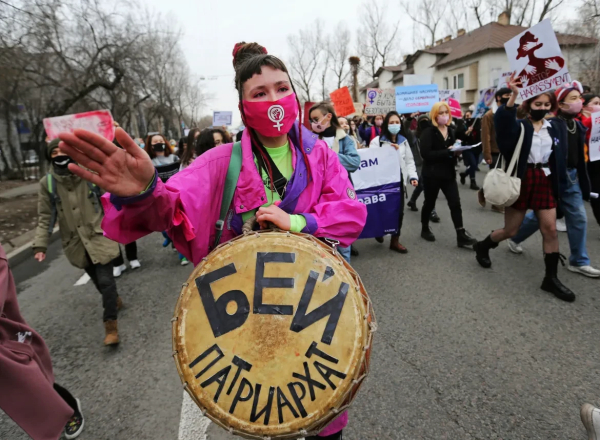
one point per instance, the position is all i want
(83, 280)
(192, 425)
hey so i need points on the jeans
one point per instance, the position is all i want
(103, 279)
(130, 252)
(470, 157)
(571, 204)
(432, 187)
(345, 252)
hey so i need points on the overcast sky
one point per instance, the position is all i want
(212, 27)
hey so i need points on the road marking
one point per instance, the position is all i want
(83, 280)
(192, 425)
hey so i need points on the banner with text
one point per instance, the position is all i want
(536, 57)
(416, 98)
(99, 122)
(594, 145)
(377, 184)
(446, 94)
(486, 99)
(342, 101)
(380, 101)
(222, 118)
(455, 108)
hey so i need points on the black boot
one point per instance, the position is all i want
(379, 239)
(426, 233)
(463, 178)
(551, 282)
(463, 238)
(434, 217)
(474, 185)
(412, 205)
(482, 251)
(353, 251)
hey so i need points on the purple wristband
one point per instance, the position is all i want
(118, 202)
(311, 224)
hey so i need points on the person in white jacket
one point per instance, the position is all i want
(391, 134)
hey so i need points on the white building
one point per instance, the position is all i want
(473, 61)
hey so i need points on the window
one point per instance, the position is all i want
(445, 83)
(459, 81)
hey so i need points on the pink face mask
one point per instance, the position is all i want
(319, 127)
(593, 108)
(271, 118)
(442, 119)
(574, 107)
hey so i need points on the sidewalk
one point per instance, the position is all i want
(24, 190)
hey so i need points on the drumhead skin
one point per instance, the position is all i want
(272, 335)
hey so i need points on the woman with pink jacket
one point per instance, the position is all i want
(288, 178)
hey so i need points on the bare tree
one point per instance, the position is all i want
(338, 48)
(428, 14)
(376, 40)
(306, 51)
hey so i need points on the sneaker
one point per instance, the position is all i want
(561, 226)
(588, 271)
(590, 416)
(515, 248)
(74, 426)
(118, 270)
(184, 261)
(135, 264)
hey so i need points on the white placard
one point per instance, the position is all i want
(378, 166)
(222, 118)
(380, 101)
(536, 57)
(594, 144)
(446, 94)
(503, 78)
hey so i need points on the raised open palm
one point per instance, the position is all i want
(124, 172)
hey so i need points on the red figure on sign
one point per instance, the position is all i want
(538, 69)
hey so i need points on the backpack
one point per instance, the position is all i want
(93, 193)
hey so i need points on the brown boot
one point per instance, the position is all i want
(112, 332)
(395, 245)
(119, 303)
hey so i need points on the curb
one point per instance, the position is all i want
(20, 254)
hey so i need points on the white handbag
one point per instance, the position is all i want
(500, 187)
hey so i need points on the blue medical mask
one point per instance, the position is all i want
(394, 128)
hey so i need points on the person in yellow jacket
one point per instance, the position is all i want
(75, 205)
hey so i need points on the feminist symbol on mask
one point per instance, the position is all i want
(276, 114)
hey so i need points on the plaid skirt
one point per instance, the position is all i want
(536, 191)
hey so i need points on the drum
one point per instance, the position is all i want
(272, 335)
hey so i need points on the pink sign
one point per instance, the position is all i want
(455, 108)
(99, 122)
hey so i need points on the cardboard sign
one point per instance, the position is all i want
(99, 122)
(536, 57)
(416, 80)
(378, 186)
(222, 118)
(416, 98)
(594, 145)
(455, 108)
(342, 101)
(445, 94)
(504, 76)
(486, 99)
(380, 101)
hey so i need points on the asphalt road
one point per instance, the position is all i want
(461, 352)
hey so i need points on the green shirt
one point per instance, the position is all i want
(282, 157)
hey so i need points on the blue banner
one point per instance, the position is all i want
(411, 99)
(383, 209)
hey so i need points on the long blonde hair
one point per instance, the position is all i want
(435, 111)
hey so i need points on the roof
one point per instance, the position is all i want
(400, 75)
(371, 85)
(397, 68)
(492, 36)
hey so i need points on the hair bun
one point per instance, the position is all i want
(243, 51)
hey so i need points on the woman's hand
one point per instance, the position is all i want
(396, 146)
(273, 214)
(414, 182)
(124, 172)
(40, 256)
(513, 84)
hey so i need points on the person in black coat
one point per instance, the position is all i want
(470, 134)
(541, 164)
(439, 173)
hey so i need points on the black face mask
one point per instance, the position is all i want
(159, 148)
(504, 101)
(61, 163)
(538, 114)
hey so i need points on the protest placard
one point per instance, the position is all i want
(342, 101)
(99, 122)
(445, 94)
(377, 184)
(380, 101)
(486, 99)
(536, 57)
(594, 144)
(502, 79)
(416, 80)
(455, 108)
(416, 98)
(222, 118)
